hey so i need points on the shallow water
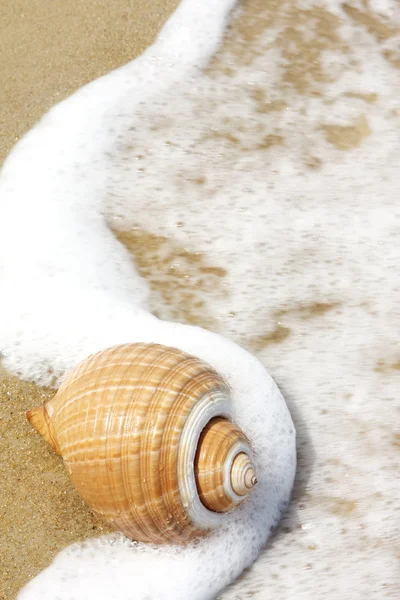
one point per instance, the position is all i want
(261, 202)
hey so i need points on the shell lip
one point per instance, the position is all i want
(210, 406)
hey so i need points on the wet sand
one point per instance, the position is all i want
(48, 50)
(40, 513)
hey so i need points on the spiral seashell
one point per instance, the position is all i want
(146, 434)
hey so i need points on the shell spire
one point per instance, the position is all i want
(224, 470)
(146, 434)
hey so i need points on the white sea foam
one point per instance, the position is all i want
(115, 568)
(60, 240)
(312, 256)
(69, 288)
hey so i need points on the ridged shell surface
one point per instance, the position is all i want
(127, 422)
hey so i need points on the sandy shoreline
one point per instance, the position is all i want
(69, 45)
(48, 50)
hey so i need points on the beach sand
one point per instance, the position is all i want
(48, 50)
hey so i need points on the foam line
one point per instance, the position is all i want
(69, 288)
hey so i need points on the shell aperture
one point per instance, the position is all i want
(146, 434)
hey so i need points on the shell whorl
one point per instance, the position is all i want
(147, 437)
(222, 443)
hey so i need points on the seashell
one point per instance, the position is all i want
(146, 434)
